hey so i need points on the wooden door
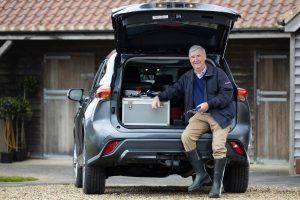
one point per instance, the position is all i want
(272, 109)
(60, 74)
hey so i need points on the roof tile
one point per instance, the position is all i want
(72, 15)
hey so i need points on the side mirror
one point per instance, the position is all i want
(75, 94)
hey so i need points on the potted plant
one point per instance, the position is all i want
(8, 110)
(27, 87)
(12, 111)
(23, 113)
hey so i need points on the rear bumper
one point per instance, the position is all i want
(155, 151)
(135, 151)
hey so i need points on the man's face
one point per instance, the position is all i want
(197, 59)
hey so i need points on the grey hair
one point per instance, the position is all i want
(195, 47)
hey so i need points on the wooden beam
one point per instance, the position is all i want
(292, 106)
(110, 36)
(58, 36)
(256, 35)
(5, 47)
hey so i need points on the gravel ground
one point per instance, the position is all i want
(68, 191)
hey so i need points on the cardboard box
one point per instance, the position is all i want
(138, 111)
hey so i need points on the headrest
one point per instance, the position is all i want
(211, 61)
(132, 74)
(164, 79)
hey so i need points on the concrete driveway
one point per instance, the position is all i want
(58, 170)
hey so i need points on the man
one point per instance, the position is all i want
(208, 89)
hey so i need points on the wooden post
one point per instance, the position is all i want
(298, 166)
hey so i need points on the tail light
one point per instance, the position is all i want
(103, 93)
(242, 94)
(236, 147)
(110, 147)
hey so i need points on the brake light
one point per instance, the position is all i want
(170, 25)
(242, 94)
(237, 148)
(110, 147)
(103, 93)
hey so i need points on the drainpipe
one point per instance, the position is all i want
(5, 47)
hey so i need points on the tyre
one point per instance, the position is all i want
(93, 178)
(77, 169)
(236, 179)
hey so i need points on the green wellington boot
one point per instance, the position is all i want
(219, 168)
(199, 168)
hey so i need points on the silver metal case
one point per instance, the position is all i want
(138, 111)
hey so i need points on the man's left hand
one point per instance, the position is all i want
(203, 107)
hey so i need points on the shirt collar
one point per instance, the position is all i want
(202, 73)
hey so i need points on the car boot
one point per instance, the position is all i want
(219, 168)
(199, 168)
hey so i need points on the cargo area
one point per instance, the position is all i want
(144, 78)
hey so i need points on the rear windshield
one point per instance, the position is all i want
(173, 35)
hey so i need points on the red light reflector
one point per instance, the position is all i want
(237, 148)
(102, 93)
(242, 94)
(110, 147)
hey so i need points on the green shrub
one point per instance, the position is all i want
(11, 107)
(8, 107)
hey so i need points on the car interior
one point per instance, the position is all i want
(145, 78)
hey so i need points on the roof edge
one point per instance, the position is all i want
(109, 35)
(293, 25)
(258, 33)
(105, 35)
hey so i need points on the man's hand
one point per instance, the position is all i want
(203, 107)
(155, 103)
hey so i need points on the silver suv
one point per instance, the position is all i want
(116, 131)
